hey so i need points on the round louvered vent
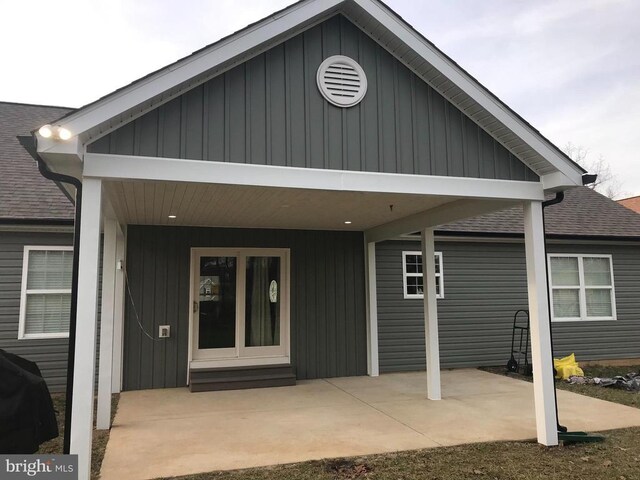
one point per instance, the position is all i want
(342, 81)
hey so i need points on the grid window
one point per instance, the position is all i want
(412, 275)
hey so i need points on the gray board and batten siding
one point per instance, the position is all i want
(269, 111)
(328, 319)
(49, 353)
(484, 284)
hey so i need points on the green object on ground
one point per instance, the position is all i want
(579, 437)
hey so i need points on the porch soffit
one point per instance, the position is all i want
(199, 204)
(389, 30)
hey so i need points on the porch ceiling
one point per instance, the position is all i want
(204, 204)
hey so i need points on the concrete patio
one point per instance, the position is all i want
(170, 432)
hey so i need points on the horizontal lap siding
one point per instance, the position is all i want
(328, 328)
(49, 354)
(269, 111)
(484, 284)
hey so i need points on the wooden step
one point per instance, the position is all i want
(236, 378)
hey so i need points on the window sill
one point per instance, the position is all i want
(419, 297)
(589, 319)
(42, 336)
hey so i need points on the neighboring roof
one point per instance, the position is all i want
(632, 203)
(373, 17)
(25, 195)
(583, 213)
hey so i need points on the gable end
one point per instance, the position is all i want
(269, 111)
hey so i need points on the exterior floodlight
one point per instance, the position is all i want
(45, 131)
(63, 133)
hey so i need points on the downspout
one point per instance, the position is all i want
(586, 180)
(29, 143)
(554, 201)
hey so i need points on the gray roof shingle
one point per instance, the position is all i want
(583, 213)
(24, 193)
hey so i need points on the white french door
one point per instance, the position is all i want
(239, 306)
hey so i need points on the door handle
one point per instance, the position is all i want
(195, 307)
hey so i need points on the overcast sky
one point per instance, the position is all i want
(569, 67)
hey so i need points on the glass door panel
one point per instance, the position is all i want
(217, 302)
(262, 301)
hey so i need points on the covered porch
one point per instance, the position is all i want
(162, 433)
(120, 192)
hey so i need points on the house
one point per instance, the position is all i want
(36, 234)
(632, 203)
(241, 196)
(481, 283)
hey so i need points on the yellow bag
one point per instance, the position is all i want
(567, 367)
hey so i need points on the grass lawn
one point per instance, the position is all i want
(100, 437)
(617, 458)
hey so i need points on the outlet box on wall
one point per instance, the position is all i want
(164, 331)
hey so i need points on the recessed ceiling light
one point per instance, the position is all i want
(347, 222)
(172, 216)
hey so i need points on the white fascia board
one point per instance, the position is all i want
(447, 213)
(128, 167)
(59, 147)
(61, 156)
(196, 64)
(556, 181)
(470, 87)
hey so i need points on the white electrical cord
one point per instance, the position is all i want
(135, 310)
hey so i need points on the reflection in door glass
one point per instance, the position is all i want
(217, 302)
(262, 307)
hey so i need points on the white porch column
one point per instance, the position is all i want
(373, 367)
(540, 325)
(430, 314)
(103, 416)
(118, 316)
(85, 354)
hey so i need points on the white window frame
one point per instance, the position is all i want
(582, 297)
(22, 325)
(405, 274)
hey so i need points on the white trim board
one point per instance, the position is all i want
(130, 167)
(190, 67)
(471, 87)
(143, 95)
(446, 213)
